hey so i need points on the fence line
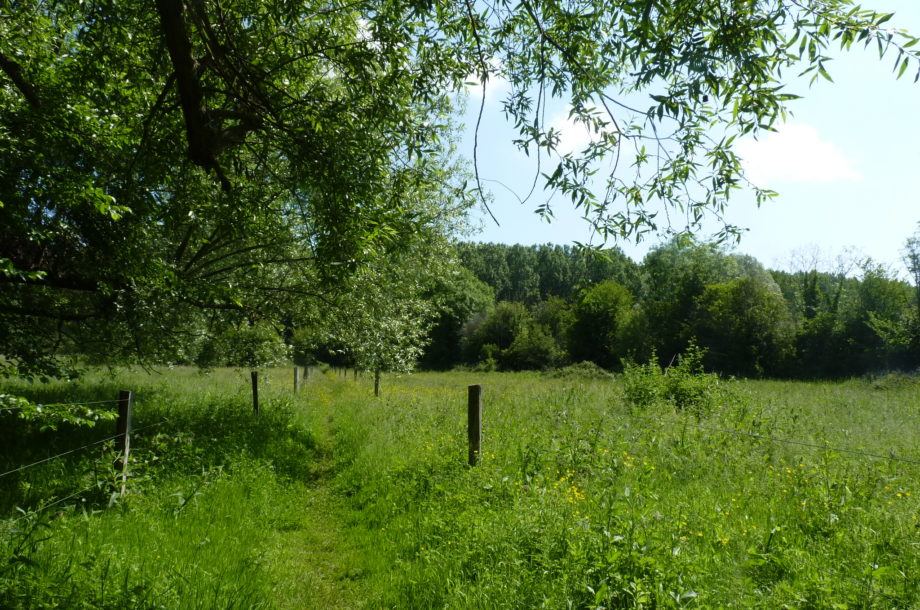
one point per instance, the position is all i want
(85, 489)
(142, 428)
(55, 503)
(54, 457)
(774, 439)
(59, 404)
(76, 404)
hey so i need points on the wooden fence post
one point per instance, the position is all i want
(297, 378)
(123, 438)
(377, 382)
(255, 391)
(474, 423)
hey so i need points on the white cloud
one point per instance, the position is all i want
(794, 153)
(496, 87)
(574, 135)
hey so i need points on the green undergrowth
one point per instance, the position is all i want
(221, 509)
(699, 493)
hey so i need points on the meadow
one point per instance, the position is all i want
(757, 494)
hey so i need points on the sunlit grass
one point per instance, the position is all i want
(334, 498)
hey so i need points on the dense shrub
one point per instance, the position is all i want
(686, 386)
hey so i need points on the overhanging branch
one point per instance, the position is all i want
(14, 71)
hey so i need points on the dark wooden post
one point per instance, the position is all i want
(255, 391)
(123, 438)
(377, 382)
(474, 423)
(297, 377)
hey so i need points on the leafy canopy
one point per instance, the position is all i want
(171, 168)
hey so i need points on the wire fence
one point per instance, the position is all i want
(41, 405)
(85, 489)
(794, 442)
(59, 455)
(124, 431)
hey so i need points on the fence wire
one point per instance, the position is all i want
(54, 457)
(41, 405)
(798, 443)
(51, 504)
(148, 426)
(86, 489)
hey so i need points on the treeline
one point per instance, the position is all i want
(534, 307)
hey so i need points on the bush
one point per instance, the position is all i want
(643, 384)
(533, 348)
(685, 386)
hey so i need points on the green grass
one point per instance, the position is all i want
(333, 498)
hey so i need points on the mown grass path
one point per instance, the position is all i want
(320, 562)
(317, 564)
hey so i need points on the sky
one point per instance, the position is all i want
(846, 165)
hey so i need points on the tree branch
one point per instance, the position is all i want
(202, 141)
(14, 71)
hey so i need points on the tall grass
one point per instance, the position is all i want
(211, 487)
(582, 501)
(334, 498)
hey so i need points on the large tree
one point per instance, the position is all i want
(165, 163)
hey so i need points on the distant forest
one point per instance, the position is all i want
(537, 307)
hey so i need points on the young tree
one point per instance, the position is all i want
(675, 275)
(460, 296)
(912, 261)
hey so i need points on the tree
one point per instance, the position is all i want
(912, 261)
(461, 296)
(554, 267)
(525, 280)
(556, 316)
(169, 162)
(533, 348)
(601, 318)
(489, 335)
(876, 323)
(381, 322)
(675, 276)
(745, 327)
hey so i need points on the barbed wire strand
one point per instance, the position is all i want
(60, 404)
(54, 457)
(785, 441)
(77, 404)
(55, 503)
(86, 489)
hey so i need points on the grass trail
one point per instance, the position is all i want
(319, 562)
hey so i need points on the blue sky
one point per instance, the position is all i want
(846, 166)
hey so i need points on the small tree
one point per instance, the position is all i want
(498, 328)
